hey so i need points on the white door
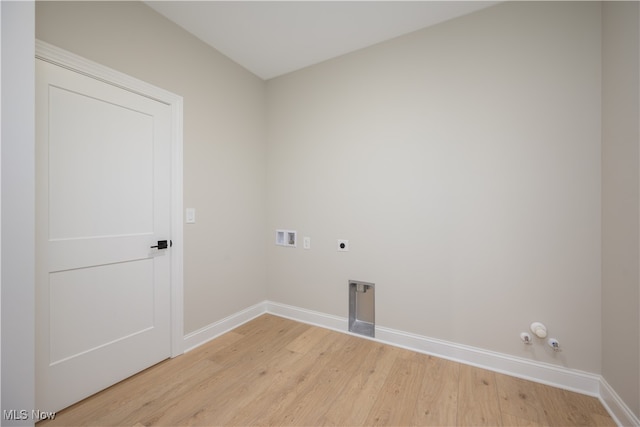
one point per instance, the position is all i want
(102, 203)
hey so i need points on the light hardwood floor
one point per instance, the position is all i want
(274, 371)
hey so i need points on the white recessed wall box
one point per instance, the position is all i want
(286, 238)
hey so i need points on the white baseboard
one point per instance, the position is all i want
(569, 379)
(620, 412)
(556, 376)
(316, 318)
(209, 332)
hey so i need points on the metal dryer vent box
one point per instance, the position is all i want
(362, 303)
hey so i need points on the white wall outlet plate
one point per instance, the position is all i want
(190, 216)
(306, 242)
(343, 245)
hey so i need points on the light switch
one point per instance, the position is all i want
(191, 216)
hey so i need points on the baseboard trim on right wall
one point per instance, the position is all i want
(540, 372)
(619, 411)
(545, 373)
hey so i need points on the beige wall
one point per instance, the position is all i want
(463, 164)
(621, 200)
(224, 150)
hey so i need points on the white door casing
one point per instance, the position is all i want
(109, 169)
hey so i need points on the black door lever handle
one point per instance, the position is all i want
(162, 244)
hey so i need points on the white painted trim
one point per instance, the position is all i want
(316, 318)
(556, 376)
(619, 411)
(214, 330)
(177, 239)
(66, 59)
(1, 206)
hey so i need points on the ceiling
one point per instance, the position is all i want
(271, 38)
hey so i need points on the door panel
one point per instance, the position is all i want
(83, 144)
(102, 200)
(73, 296)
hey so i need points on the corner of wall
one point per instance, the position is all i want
(620, 285)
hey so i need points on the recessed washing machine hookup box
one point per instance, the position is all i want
(362, 304)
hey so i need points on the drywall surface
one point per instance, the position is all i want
(621, 200)
(462, 163)
(224, 149)
(18, 193)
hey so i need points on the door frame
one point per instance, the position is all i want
(66, 59)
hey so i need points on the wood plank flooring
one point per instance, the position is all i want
(275, 371)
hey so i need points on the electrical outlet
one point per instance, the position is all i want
(343, 245)
(306, 242)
